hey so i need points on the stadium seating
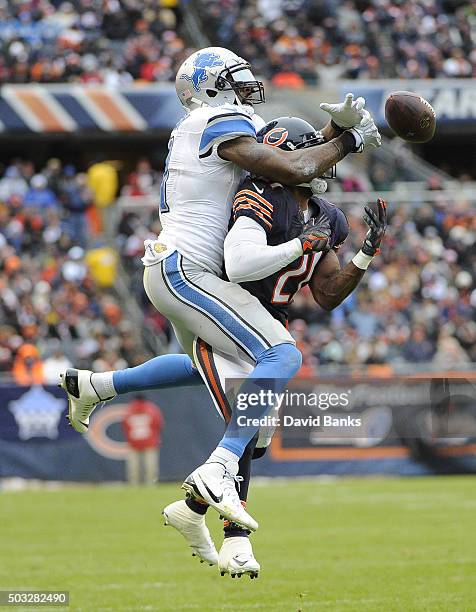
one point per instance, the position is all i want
(102, 42)
(289, 42)
(426, 316)
(296, 42)
(52, 301)
(54, 308)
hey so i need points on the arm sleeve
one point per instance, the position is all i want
(221, 128)
(249, 258)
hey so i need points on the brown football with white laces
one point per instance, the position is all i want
(410, 116)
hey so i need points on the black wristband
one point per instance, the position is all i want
(345, 143)
(337, 128)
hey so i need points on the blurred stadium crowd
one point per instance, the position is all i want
(415, 305)
(98, 41)
(293, 42)
(58, 303)
(290, 42)
(57, 299)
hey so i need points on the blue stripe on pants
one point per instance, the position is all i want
(225, 319)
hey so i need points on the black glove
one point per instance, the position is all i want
(316, 235)
(377, 227)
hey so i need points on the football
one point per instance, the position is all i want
(410, 116)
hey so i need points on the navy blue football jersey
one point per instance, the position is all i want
(274, 207)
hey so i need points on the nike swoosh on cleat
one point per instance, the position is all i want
(241, 563)
(215, 498)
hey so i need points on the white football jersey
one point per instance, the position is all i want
(198, 186)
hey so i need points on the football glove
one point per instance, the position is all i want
(366, 133)
(377, 225)
(345, 114)
(316, 235)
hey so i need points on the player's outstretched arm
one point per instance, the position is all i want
(288, 167)
(330, 284)
(302, 165)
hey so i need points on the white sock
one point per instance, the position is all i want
(222, 455)
(103, 385)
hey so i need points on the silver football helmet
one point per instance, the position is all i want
(215, 76)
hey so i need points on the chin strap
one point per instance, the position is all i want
(317, 186)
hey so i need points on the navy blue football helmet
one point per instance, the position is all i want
(291, 133)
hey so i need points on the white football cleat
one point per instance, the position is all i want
(236, 558)
(82, 397)
(214, 483)
(193, 528)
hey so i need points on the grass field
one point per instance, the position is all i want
(345, 544)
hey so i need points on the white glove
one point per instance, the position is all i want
(345, 114)
(366, 133)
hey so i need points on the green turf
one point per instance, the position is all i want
(360, 545)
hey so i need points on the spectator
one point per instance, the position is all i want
(56, 363)
(53, 173)
(53, 290)
(76, 197)
(103, 182)
(143, 423)
(291, 42)
(143, 181)
(48, 295)
(85, 41)
(418, 349)
(39, 195)
(12, 184)
(392, 318)
(102, 263)
(27, 367)
(449, 351)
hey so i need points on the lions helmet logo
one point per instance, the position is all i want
(202, 61)
(275, 137)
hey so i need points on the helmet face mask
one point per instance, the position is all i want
(215, 76)
(240, 80)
